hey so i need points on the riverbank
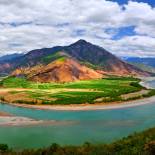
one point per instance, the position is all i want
(144, 82)
(97, 106)
(130, 100)
(81, 107)
(17, 90)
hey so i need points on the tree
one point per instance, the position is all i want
(3, 147)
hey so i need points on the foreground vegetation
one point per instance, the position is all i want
(137, 144)
(19, 90)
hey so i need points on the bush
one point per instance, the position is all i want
(136, 84)
(151, 93)
(4, 147)
(150, 147)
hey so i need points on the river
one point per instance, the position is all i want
(77, 127)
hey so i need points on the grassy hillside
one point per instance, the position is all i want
(137, 144)
(92, 91)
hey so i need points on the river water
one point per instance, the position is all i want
(77, 127)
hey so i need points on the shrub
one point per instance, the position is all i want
(136, 84)
(150, 147)
(3, 147)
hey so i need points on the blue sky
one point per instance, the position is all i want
(125, 28)
(129, 30)
(150, 2)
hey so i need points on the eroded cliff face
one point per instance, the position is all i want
(63, 70)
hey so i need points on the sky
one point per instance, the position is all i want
(125, 28)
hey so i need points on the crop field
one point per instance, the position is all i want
(19, 90)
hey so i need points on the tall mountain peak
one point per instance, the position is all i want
(81, 42)
(82, 51)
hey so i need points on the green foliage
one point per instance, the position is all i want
(151, 93)
(61, 59)
(13, 82)
(133, 98)
(110, 89)
(135, 84)
(88, 64)
(25, 102)
(4, 147)
(51, 57)
(123, 78)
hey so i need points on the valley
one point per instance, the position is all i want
(77, 77)
(80, 73)
(110, 124)
(55, 93)
(99, 91)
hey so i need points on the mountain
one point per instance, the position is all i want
(146, 61)
(6, 63)
(98, 56)
(146, 64)
(10, 57)
(82, 52)
(143, 67)
(60, 70)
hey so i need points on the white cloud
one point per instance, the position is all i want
(27, 25)
(133, 46)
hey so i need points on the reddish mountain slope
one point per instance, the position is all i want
(61, 70)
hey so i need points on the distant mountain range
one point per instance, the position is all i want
(80, 60)
(10, 57)
(146, 64)
(145, 61)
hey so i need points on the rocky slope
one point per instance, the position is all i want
(61, 70)
(82, 51)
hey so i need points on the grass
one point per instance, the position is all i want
(52, 57)
(15, 83)
(106, 90)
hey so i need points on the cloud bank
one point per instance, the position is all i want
(27, 25)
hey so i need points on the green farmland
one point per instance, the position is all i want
(19, 90)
